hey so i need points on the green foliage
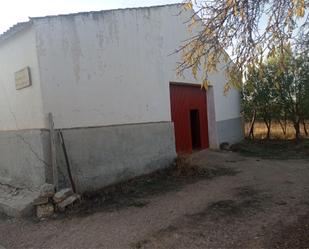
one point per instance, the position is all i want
(278, 89)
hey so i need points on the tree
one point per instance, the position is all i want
(248, 29)
(296, 78)
(306, 102)
(249, 107)
(273, 91)
(292, 81)
(260, 97)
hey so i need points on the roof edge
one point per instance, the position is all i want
(107, 10)
(15, 29)
(12, 31)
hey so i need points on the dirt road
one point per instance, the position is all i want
(252, 203)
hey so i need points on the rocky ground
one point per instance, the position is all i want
(236, 201)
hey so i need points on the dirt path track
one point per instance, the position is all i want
(255, 206)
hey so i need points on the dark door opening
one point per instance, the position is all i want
(195, 129)
(189, 115)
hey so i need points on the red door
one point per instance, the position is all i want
(189, 114)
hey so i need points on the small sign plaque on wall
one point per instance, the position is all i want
(22, 78)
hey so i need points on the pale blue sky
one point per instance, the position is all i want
(13, 11)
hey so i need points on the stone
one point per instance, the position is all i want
(68, 201)
(41, 201)
(225, 146)
(47, 190)
(62, 195)
(45, 210)
(17, 203)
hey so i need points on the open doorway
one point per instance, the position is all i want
(195, 129)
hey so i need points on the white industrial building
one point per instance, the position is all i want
(108, 78)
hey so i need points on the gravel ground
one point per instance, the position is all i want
(245, 203)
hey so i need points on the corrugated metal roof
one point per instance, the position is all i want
(23, 25)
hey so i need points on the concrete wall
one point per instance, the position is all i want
(20, 109)
(230, 130)
(24, 148)
(114, 67)
(24, 158)
(108, 71)
(104, 68)
(229, 123)
(104, 155)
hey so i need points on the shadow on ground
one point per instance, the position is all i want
(136, 191)
(247, 202)
(274, 149)
(292, 236)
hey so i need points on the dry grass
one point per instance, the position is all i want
(260, 131)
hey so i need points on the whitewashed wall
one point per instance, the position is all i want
(19, 109)
(114, 67)
(226, 107)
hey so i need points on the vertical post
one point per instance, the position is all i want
(53, 150)
(67, 161)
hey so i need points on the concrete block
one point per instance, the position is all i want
(47, 190)
(67, 202)
(45, 211)
(17, 203)
(225, 146)
(41, 201)
(62, 195)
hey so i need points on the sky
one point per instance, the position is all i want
(14, 11)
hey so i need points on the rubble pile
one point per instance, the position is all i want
(50, 201)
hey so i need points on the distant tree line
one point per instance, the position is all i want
(277, 90)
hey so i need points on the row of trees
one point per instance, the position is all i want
(277, 90)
